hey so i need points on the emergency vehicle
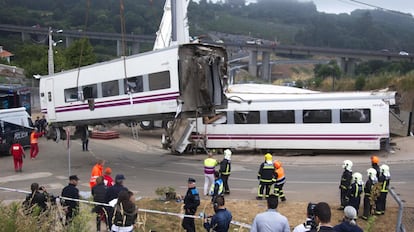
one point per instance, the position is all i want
(15, 125)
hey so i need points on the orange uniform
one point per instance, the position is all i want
(97, 170)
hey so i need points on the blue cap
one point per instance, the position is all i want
(119, 177)
(191, 180)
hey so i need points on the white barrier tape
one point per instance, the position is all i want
(180, 215)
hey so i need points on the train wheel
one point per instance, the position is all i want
(147, 125)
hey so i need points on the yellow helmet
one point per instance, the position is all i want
(268, 157)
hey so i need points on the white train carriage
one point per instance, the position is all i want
(262, 117)
(184, 80)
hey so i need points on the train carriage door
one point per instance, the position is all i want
(50, 101)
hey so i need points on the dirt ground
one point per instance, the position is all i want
(245, 210)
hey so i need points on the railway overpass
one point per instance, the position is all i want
(347, 58)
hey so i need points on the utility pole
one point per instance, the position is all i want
(51, 64)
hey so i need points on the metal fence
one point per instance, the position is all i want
(405, 216)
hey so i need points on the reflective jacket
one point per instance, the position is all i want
(267, 173)
(216, 189)
(209, 165)
(280, 175)
(225, 167)
(97, 171)
(346, 180)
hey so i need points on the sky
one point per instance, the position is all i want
(346, 6)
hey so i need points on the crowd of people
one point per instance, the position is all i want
(121, 214)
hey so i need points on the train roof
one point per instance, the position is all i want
(274, 93)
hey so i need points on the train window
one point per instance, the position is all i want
(281, 116)
(71, 94)
(90, 91)
(355, 115)
(216, 119)
(247, 117)
(317, 116)
(134, 85)
(160, 80)
(110, 88)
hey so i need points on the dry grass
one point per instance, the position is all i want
(245, 211)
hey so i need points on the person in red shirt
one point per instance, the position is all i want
(17, 152)
(34, 147)
(107, 177)
(97, 170)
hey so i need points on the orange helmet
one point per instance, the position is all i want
(108, 171)
(277, 164)
(374, 159)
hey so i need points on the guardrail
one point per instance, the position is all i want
(399, 227)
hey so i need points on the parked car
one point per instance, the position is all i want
(403, 53)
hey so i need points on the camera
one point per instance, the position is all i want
(310, 222)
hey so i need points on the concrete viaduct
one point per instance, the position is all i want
(347, 57)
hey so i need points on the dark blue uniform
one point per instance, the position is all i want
(70, 191)
(220, 222)
(191, 202)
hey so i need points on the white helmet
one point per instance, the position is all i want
(371, 172)
(227, 154)
(347, 165)
(385, 169)
(357, 177)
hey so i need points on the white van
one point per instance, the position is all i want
(15, 124)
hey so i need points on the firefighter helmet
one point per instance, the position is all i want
(268, 157)
(347, 165)
(357, 177)
(384, 168)
(277, 164)
(227, 154)
(371, 172)
(374, 159)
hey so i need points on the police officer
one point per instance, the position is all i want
(266, 177)
(384, 181)
(225, 170)
(191, 203)
(368, 193)
(216, 188)
(280, 181)
(345, 183)
(70, 191)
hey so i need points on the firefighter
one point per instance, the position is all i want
(345, 183)
(375, 164)
(266, 176)
(17, 151)
(384, 181)
(369, 196)
(280, 181)
(225, 170)
(355, 191)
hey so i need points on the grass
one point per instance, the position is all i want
(13, 218)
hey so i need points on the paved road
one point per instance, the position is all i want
(146, 167)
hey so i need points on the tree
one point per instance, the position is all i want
(79, 53)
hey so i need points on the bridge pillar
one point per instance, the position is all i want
(24, 36)
(135, 48)
(253, 63)
(348, 65)
(266, 66)
(118, 48)
(68, 41)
